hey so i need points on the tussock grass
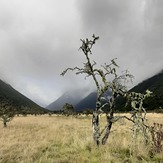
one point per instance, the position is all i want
(44, 139)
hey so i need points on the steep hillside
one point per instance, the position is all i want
(154, 84)
(18, 100)
(88, 102)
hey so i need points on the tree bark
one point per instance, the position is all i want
(109, 120)
(104, 139)
(96, 129)
(4, 124)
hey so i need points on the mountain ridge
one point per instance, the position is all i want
(153, 83)
(16, 99)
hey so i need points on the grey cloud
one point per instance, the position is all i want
(129, 31)
(36, 45)
(39, 39)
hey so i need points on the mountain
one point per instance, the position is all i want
(89, 102)
(71, 97)
(155, 85)
(16, 99)
(74, 98)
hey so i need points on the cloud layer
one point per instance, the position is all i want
(40, 38)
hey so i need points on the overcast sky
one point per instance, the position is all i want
(40, 38)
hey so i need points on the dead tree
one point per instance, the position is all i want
(105, 78)
(138, 115)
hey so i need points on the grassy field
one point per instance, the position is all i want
(59, 139)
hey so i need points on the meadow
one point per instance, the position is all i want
(60, 139)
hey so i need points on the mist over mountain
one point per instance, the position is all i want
(16, 99)
(72, 97)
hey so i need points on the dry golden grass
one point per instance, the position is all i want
(59, 139)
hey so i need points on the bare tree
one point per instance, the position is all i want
(105, 78)
(138, 114)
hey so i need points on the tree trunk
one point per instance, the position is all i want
(109, 120)
(4, 124)
(96, 129)
(104, 139)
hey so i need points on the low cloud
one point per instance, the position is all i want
(39, 39)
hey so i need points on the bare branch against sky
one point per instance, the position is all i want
(40, 38)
